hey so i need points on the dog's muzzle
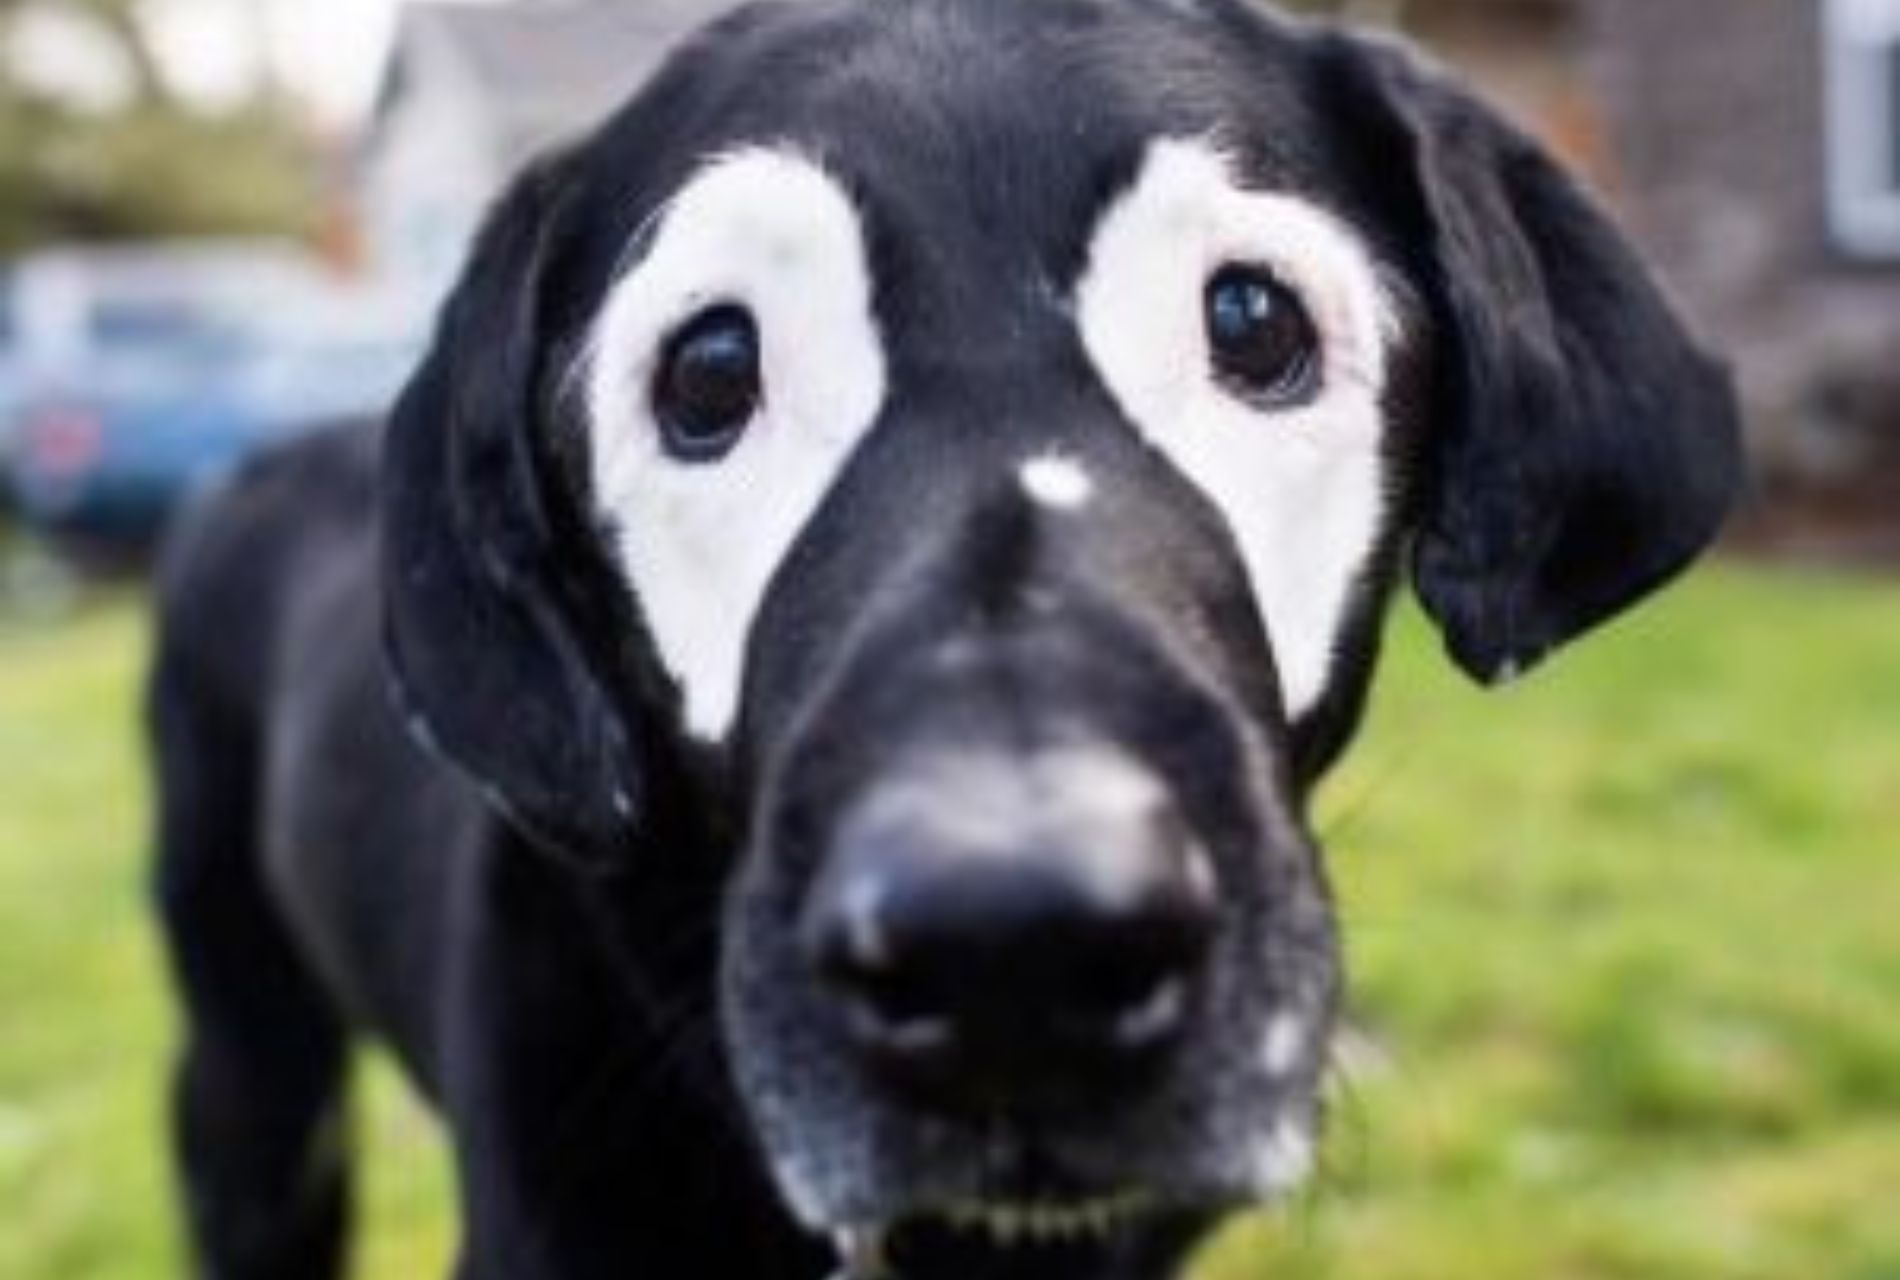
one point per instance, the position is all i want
(1028, 946)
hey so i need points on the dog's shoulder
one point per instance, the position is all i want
(323, 477)
(238, 554)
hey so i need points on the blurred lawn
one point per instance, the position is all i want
(1625, 945)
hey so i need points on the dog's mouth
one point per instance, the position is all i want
(1001, 1238)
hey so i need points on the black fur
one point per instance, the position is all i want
(398, 668)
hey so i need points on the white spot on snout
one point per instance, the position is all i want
(1284, 1159)
(1057, 482)
(861, 1253)
(863, 906)
(1283, 1044)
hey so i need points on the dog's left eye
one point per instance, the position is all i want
(1261, 338)
(708, 386)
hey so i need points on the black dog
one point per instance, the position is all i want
(891, 530)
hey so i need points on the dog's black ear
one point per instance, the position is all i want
(482, 615)
(1583, 448)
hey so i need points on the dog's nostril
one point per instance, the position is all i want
(1124, 995)
(1133, 997)
(1137, 995)
(878, 986)
(891, 1009)
(1153, 1019)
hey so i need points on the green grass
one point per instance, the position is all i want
(1625, 945)
(86, 1023)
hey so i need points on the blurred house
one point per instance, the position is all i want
(140, 374)
(1753, 146)
(1757, 145)
(471, 92)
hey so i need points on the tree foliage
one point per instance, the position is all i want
(157, 165)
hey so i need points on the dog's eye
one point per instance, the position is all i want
(708, 387)
(1262, 340)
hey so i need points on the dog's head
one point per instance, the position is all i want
(964, 448)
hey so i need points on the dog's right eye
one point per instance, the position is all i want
(1261, 337)
(708, 386)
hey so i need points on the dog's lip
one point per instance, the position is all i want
(868, 1252)
(1008, 1223)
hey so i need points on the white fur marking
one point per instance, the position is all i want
(771, 231)
(861, 1253)
(863, 907)
(1284, 1159)
(1303, 489)
(1283, 1045)
(1057, 482)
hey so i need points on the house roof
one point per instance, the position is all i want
(550, 68)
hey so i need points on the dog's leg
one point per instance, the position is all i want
(258, 1095)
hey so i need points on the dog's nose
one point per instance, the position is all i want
(1014, 941)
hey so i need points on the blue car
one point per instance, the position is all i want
(169, 391)
(12, 385)
(101, 469)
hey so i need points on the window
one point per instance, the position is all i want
(1863, 123)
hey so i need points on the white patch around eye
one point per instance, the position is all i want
(1055, 481)
(863, 905)
(1302, 488)
(1283, 1044)
(770, 231)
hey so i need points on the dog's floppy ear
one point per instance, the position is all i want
(482, 616)
(1583, 449)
